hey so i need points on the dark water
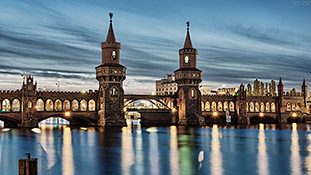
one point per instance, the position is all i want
(261, 149)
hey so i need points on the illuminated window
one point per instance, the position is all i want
(29, 104)
(40, 105)
(202, 106)
(225, 105)
(213, 106)
(267, 107)
(262, 107)
(58, 105)
(256, 107)
(272, 107)
(192, 93)
(6, 105)
(288, 107)
(231, 106)
(219, 106)
(66, 104)
(251, 107)
(114, 54)
(114, 92)
(91, 105)
(186, 59)
(75, 105)
(16, 105)
(207, 106)
(83, 105)
(49, 105)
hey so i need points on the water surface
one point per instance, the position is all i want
(260, 149)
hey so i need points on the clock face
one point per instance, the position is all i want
(186, 59)
(114, 54)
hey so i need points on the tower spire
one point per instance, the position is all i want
(110, 36)
(188, 43)
(304, 82)
(280, 82)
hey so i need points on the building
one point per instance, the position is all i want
(227, 91)
(168, 86)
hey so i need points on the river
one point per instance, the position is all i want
(219, 150)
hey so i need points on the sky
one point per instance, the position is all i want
(237, 41)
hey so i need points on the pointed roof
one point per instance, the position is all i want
(304, 82)
(280, 82)
(188, 43)
(110, 36)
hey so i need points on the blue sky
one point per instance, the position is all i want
(237, 41)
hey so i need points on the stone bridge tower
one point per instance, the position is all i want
(28, 103)
(110, 75)
(188, 78)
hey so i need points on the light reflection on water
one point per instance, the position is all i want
(262, 151)
(295, 160)
(162, 150)
(216, 157)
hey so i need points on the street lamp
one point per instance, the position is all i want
(174, 110)
(261, 114)
(294, 115)
(67, 113)
(215, 114)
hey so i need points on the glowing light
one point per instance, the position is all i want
(294, 115)
(67, 114)
(174, 110)
(83, 128)
(215, 114)
(124, 109)
(261, 114)
(83, 92)
(6, 129)
(152, 129)
(36, 130)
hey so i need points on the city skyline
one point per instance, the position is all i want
(60, 42)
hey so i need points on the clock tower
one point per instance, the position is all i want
(111, 75)
(188, 78)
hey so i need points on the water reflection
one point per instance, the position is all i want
(47, 145)
(67, 155)
(216, 157)
(262, 152)
(139, 154)
(174, 150)
(295, 160)
(186, 158)
(308, 159)
(154, 153)
(127, 153)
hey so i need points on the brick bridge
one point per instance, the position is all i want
(106, 106)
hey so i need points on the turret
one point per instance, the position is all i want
(304, 91)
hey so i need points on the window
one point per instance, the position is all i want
(251, 107)
(213, 106)
(219, 106)
(272, 107)
(40, 105)
(114, 92)
(114, 55)
(75, 105)
(66, 104)
(58, 105)
(29, 104)
(192, 93)
(186, 59)
(207, 106)
(16, 105)
(83, 105)
(49, 105)
(91, 105)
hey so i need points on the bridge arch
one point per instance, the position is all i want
(74, 119)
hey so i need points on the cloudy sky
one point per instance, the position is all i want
(237, 41)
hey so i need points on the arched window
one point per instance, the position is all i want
(58, 105)
(114, 92)
(202, 105)
(226, 105)
(49, 105)
(262, 107)
(267, 107)
(29, 104)
(6, 105)
(251, 107)
(16, 105)
(83, 105)
(66, 104)
(92, 105)
(207, 106)
(219, 106)
(247, 107)
(272, 107)
(293, 107)
(40, 105)
(75, 105)
(256, 107)
(308, 109)
(231, 106)
(186, 59)
(213, 106)
(288, 107)
(192, 93)
(114, 54)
